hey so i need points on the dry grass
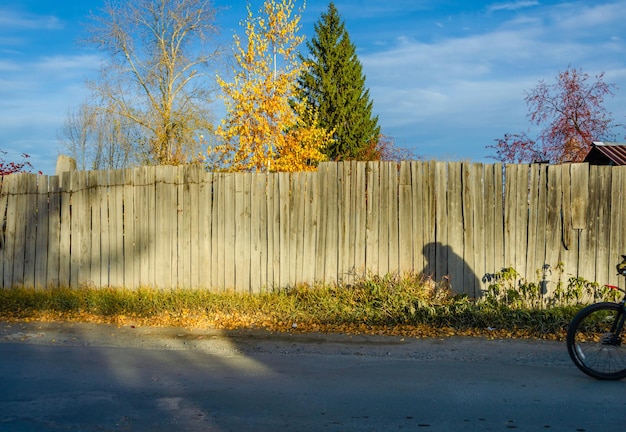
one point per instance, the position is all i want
(408, 305)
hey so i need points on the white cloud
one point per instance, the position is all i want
(512, 5)
(11, 19)
(472, 85)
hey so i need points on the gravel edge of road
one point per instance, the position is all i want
(244, 342)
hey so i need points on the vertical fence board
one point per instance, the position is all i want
(229, 231)
(81, 230)
(30, 225)
(570, 234)
(257, 223)
(3, 218)
(332, 230)
(183, 234)
(579, 198)
(499, 240)
(490, 221)
(116, 216)
(284, 259)
(274, 229)
(217, 236)
(205, 202)
(615, 221)
(269, 234)
(510, 212)
(459, 221)
(521, 216)
(95, 270)
(311, 228)
(587, 268)
(604, 225)
(11, 184)
(4, 198)
(554, 224)
(65, 233)
(191, 225)
(103, 204)
(441, 221)
(242, 232)
(470, 201)
(165, 224)
(372, 218)
(54, 222)
(297, 224)
(140, 224)
(533, 258)
(405, 219)
(392, 206)
(41, 246)
(359, 210)
(77, 185)
(621, 250)
(193, 177)
(569, 256)
(542, 220)
(150, 229)
(419, 209)
(343, 207)
(384, 224)
(430, 218)
(479, 269)
(322, 222)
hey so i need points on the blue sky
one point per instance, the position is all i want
(446, 77)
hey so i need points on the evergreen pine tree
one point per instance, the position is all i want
(333, 85)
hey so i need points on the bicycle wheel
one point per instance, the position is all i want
(591, 344)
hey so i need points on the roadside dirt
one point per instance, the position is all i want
(237, 342)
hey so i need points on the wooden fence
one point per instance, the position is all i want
(170, 227)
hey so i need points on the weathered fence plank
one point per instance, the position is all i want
(284, 256)
(405, 219)
(41, 246)
(205, 222)
(441, 221)
(359, 212)
(372, 218)
(391, 170)
(229, 232)
(30, 234)
(258, 233)
(604, 224)
(217, 233)
(554, 226)
(459, 222)
(242, 232)
(310, 229)
(330, 252)
(615, 247)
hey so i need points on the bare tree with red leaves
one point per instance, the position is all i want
(572, 114)
(7, 168)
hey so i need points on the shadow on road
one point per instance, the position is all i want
(104, 378)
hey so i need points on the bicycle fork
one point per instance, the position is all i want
(613, 338)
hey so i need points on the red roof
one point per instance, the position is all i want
(607, 153)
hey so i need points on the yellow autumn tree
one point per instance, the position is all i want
(263, 128)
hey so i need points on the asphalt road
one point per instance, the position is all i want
(78, 377)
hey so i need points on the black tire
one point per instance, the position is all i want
(587, 342)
